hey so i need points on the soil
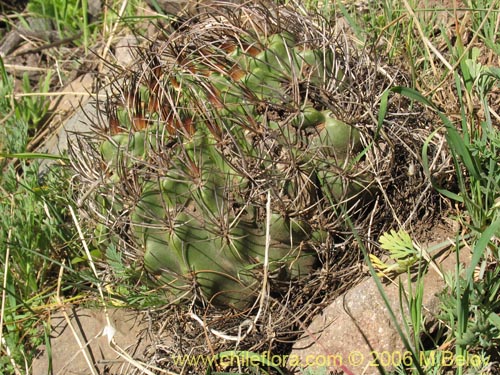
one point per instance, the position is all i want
(80, 336)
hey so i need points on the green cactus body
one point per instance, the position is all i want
(316, 64)
(112, 149)
(127, 148)
(197, 216)
(336, 139)
(223, 268)
(262, 84)
(276, 59)
(226, 92)
(193, 249)
(188, 254)
(285, 38)
(288, 231)
(309, 117)
(342, 189)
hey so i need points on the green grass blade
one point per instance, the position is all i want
(3, 74)
(413, 95)
(494, 319)
(459, 147)
(33, 155)
(354, 26)
(455, 141)
(481, 245)
(382, 110)
(85, 24)
(426, 167)
(157, 7)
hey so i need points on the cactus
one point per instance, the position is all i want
(222, 117)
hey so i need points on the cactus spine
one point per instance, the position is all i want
(223, 115)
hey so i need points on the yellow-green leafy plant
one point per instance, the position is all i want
(220, 158)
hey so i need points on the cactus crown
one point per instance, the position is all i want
(221, 113)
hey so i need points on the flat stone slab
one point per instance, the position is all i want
(357, 327)
(87, 336)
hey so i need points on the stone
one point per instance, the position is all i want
(124, 50)
(358, 326)
(68, 115)
(94, 9)
(89, 326)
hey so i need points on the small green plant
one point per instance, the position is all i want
(33, 109)
(14, 129)
(33, 234)
(472, 312)
(482, 328)
(401, 249)
(69, 16)
(22, 116)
